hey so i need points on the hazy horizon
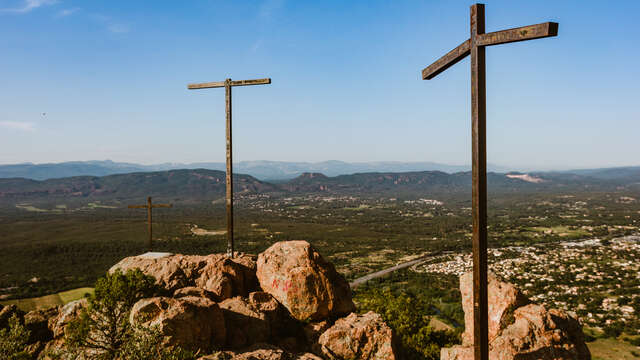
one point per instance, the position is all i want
(500, 166)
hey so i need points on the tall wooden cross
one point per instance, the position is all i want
(475, 46)
(149, 206)
(228, 84)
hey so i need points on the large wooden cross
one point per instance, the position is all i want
(228, 84)
(149, 206)
(475, 46)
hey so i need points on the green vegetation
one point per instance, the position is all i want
(409, 302)
(103, 331)
(612, 349)
(47, 301)
(13, 341)
(362, 224)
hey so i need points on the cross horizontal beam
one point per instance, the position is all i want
(448, 60)
(530, 32)
(217, 84)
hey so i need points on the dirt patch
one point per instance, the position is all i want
(195, 230)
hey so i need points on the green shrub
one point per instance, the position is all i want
(13, 340)
(407, 316)
(103, 331)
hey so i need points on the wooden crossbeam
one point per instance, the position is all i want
(218, 84)
(149, 206)
(538, 31)
(445, 62)
(530, 32)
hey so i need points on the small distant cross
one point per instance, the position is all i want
(475, 46)
(149, 206)
(227, 84)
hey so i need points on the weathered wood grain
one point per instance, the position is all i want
(445, 62)
(530, 32)
(475, 46)
(218, 84)
(479, 185)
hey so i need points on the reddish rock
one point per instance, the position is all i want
(192, 323)
(246, 325)
(170, 271)
(357, 337)
(301, 280)
(223, 277)
(307, 356)
(67, 313)
(504, 298)
(259, 352)
(523, 332)
(275, 314)
(197, 292)
(312, 331)
(216, 273)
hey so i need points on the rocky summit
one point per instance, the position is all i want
(518, 329)
(289, 303)
(286, 303)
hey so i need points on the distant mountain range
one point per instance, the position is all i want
(262, 169)
(205, 185)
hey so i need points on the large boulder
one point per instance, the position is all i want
(246, 325)
(357, 337)
(222, 276)
(520, 332)
(256, 319)
(192, 323)
(300, 279)
(503, 299)
(225, 277)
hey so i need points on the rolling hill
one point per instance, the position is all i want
(201, 184)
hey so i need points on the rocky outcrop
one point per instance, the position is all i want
(503, 299)
(260, 352)
(216, 273)
(37, 322)
(286, 305)
(301, 280)
(519, 330)
(192, 323)
(357, 337)
(66, 314)
(247, 325)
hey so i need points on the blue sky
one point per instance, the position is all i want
(82, 80)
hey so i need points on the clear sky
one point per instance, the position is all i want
(85, 80)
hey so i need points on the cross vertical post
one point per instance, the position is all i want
(149, 222)
(229, 197)
(475, 47)
(228, 84)
(479, 184)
